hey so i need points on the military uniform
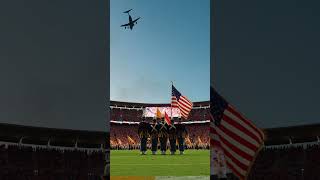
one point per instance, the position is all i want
(181, 134)
(172, 131)
(143, 133)
(163, 136)
(154, 130)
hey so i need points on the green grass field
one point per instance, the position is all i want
(131, 163)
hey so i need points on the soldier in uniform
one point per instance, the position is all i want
(154, 130)
(163, 136)
(181, 134)
(143, 134)
(172, 137)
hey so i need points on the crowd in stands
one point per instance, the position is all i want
(198, 134)
(37, 163)
(289, 162)
(125, 136)
(135, 115)
(126, 114)
(199, 114)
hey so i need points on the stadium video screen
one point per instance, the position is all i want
(151, 111)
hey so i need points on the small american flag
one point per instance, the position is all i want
(181, 102)
(166, 117)
(239, 139)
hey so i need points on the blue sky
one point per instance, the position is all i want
(170, 42)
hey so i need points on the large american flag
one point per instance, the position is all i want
(239, 139)
(181, 102)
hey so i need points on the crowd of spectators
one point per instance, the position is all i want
(37, 163)
(288, 162)
(126, 114)
(198, 134)
(125, 136)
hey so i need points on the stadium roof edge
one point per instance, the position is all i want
(123, 103)
(49, 128)
(295, 134)
(294, 126)
(33, 133)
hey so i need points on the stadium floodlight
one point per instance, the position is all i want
(20, 141)
(76, 144)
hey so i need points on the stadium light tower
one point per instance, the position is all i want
(76, 144)
(20, 141)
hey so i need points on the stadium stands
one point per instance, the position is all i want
(121, 135)
(125, 136)
(135, 115)
(34, 153)
(39, 163)
(290, 153)
(121, 111)
(290, 162)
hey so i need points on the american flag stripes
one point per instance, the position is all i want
(181, 102)
(239, 139)
(167, 119)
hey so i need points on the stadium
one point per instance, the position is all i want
(124, 141)
(290, 152)
(28, 152)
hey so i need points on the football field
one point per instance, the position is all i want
(131, 163)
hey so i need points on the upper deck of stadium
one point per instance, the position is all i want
(136, 105)
(132, 112)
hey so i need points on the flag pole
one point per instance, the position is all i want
(171, 100)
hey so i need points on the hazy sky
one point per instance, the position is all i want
(170, 42)
(54, 60)
(268, 59)
(53, 63)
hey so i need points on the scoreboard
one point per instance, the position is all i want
(151, 111)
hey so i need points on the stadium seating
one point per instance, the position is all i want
(30, 163)
(135, 115)
(40, 153)
(120, 135)
(126, 115)
(292, 162)
(125, 136)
